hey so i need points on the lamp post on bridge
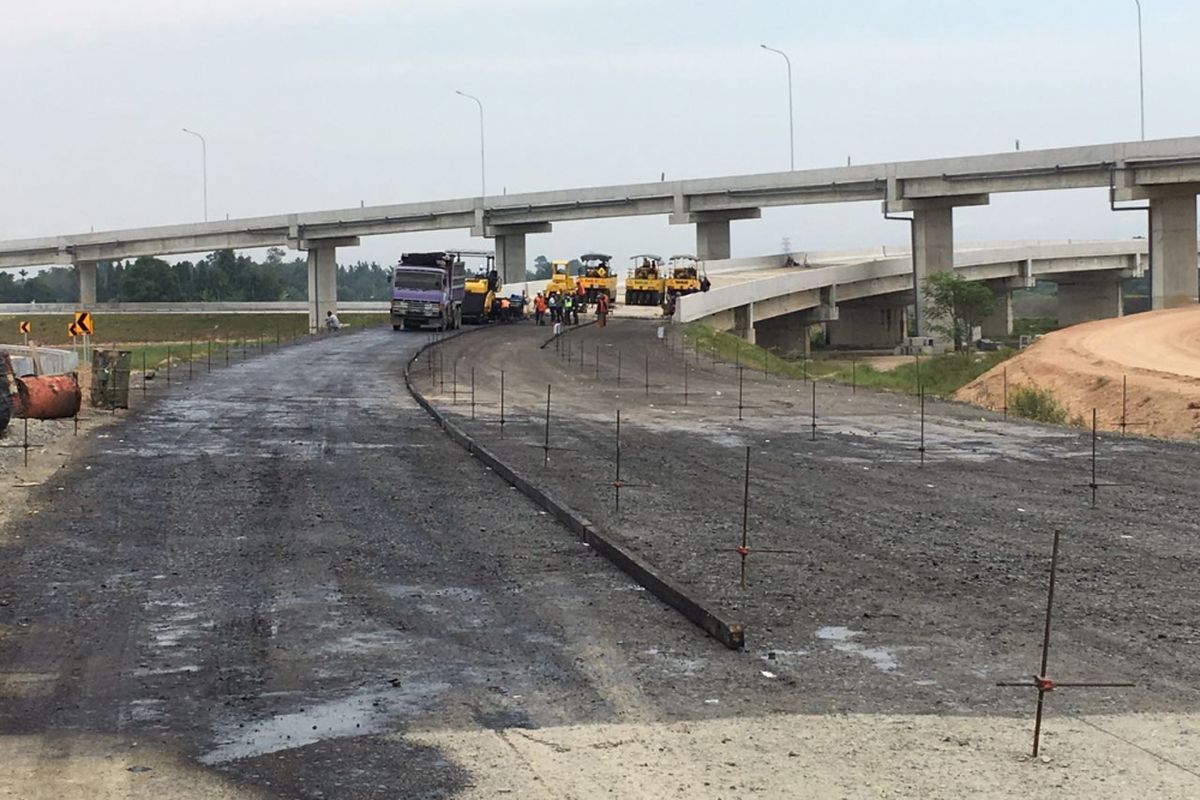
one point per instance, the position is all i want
(482, 162)
(791, 113)
(1141, 70)
(204, 167)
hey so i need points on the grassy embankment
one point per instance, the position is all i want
(184, 335)
(940, 375)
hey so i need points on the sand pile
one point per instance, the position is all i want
(1157, 354)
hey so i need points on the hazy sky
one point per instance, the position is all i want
(313, 104)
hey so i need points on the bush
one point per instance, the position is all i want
(1036, 404)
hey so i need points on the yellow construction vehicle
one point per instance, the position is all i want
(482, 289)
(597, 277)
(645, 285)
(560, 278)
(684, 275)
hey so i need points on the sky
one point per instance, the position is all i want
(315, 104)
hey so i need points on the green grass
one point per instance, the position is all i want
(940, 375)
(124, 329)
(1036, 404)
(151, 338)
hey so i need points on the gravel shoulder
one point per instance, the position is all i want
(903, 589)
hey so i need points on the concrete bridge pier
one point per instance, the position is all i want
(1173, 242)
(999, 324)
(712, 229)
(511, 259)
(86, 272)
(322, 277)
(932, 243)
(788, 333)
(743, 322)
(870, 323)
(1087, 296)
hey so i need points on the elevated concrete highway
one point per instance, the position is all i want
(1165, 173)
(863, 295)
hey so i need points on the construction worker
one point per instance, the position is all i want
(552, 305)
(539, 309)
(580, 306)
(568, 308)
(602, 309)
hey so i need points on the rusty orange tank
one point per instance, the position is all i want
(48, 397)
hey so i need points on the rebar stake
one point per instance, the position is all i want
(168, 366)
(685, 383)
(191, 356)
(921, 392)
(501, 404)
(814, 411)
(454, 380)
(739, 393)
(546, 443)
(472, 393)
(1042, 682)
(145, 372)
(617, 479)
(647, 374)
(1005, 373)
(1093, 484)
(1124, 397)
(744, 550)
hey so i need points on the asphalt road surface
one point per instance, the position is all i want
(275, 573)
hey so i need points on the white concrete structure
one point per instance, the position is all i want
(1164, 172)
(863, 294)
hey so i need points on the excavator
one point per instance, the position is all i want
(482, 288)
(645, 285)
(597, 277)
(684, 275)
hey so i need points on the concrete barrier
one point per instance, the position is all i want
(54, 361)
(663, 586)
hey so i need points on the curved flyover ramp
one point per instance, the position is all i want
(1143, 369)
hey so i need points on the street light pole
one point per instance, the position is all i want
(204, 165)
(791, 113)
(482, 162)
(1141, 70)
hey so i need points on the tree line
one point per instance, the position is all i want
(221, 276)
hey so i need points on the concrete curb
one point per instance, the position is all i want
(665, 588)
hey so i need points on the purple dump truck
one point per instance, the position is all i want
(427, 289)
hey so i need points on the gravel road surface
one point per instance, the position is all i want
(284, 582)
(268, 573)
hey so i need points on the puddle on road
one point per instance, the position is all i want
(841, 640)
(357, 715)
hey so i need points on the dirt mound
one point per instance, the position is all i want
(1144, 368)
